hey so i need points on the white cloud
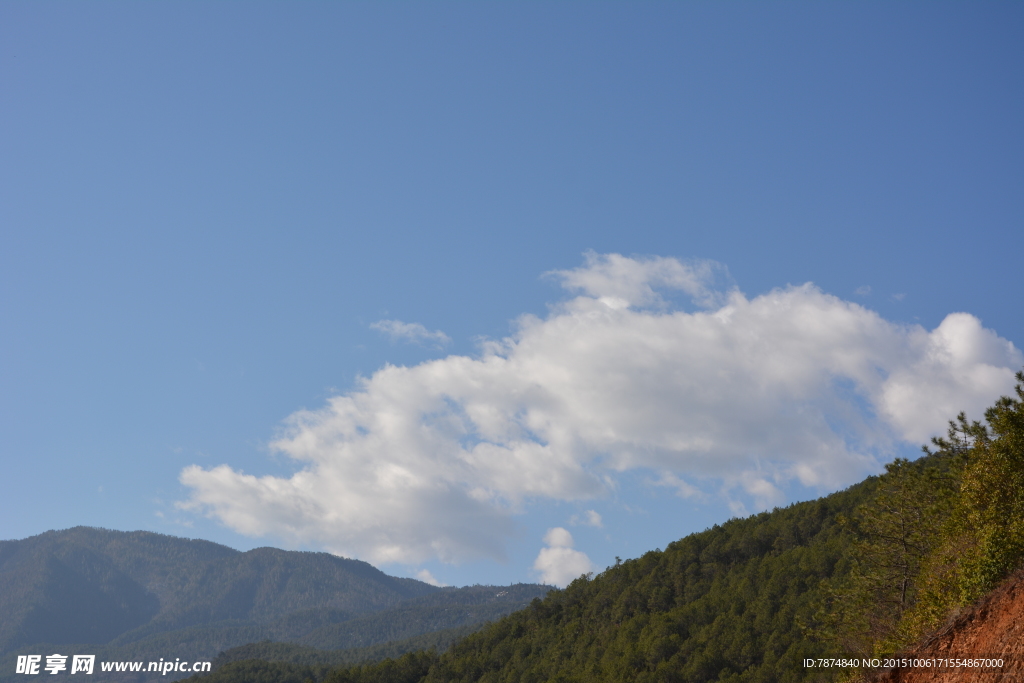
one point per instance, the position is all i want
(425, 576)
(410, 332)
(863, 290)
(960, 365)
(589, 518)
(559, 564)
(558, 538)
(432, 461)
(684, 489)
(618, 281)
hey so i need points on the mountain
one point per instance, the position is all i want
(87, 585)
(145, 596)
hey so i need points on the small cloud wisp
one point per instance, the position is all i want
(414, 333)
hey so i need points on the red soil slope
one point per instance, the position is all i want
(994, 627)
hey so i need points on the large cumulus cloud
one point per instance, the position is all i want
(432, 461)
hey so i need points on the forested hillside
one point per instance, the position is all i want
(731, 600)
(868, 570)
(730, 603)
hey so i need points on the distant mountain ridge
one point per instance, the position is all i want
(87, 585)
(140, 595)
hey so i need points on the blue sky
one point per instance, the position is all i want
(215, 216)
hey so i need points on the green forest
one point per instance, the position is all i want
(868, 570)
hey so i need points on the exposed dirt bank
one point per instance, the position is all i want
(993, 627)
